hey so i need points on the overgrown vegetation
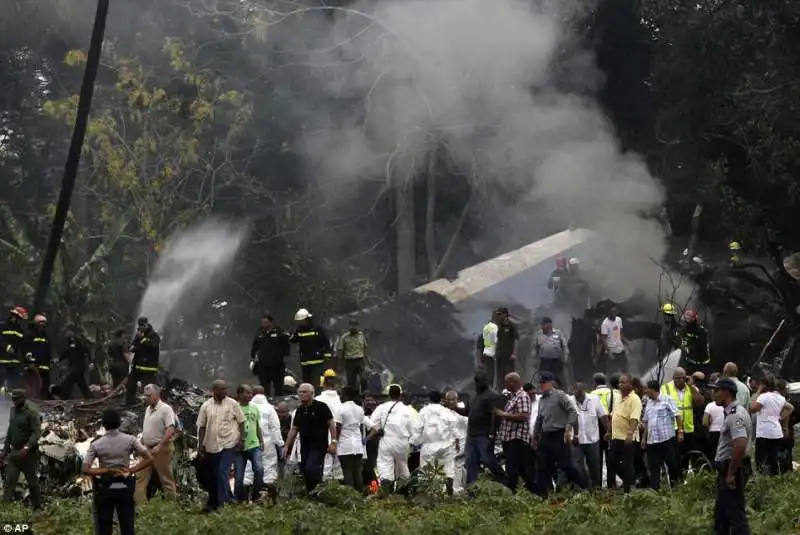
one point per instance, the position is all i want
(772, 504)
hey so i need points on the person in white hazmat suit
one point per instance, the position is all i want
(273, 443)
(332, 468)
(458, 408)
(437, 436)
(397, 425)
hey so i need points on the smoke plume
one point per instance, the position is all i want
(478, 78)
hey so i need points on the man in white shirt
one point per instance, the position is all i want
(397, 426)
(220, 425)
(460, 431)
(586, 446)
(157, 431)
(329, 396)
(351, 434)
(613, 343)
(437, 437)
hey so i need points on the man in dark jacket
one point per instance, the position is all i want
(78, 358)
(117, 362)
(20, 451)
(481, 428)
(12, 349)
(268, 353)
(39, 353)
(313, 347)
(144, 367)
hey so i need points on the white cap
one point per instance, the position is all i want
(301, 314)
(289, 381)
(573, 261)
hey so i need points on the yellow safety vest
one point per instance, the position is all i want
(603, 394)
(489, 334)
(686, 408)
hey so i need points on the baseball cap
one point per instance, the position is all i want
(724, 383)
(546, 377)
(546, 320)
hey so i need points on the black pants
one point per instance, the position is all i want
(118, 372)
(312, 464)
(22, 465)
(353, 471)
(611, 471)
(712, 441)
(44, 381)
(11, 376)
(554, 366)
(75, 377)
(271, 378)
(311, 373)
(518, 465)
(658, 455)
(767, 455)
(108, 500)
(730, 516)
(614, 363)
(685, 447)
(371, 460)
(622, 459)
(785, 454)
(356, 376)
(552, 456)
(131, 387)
(589, 455)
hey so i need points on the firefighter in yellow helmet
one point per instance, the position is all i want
(669, 331)
(330, 373)
(734, 252)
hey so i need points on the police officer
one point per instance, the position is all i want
(314, 347)
(78, 358)
(730, 516)
(113, 481)
(12, 349)
(144, 367)
(39, 352)
(267, 355)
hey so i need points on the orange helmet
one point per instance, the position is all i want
(20, 312)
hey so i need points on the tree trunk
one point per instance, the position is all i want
(404, 228)
(430, 212)
(451, 246)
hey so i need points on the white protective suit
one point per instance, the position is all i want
(460, 431)
(332, 468)
(271, 434)
(400, 425)
(437, 437)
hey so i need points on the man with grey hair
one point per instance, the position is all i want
(731, 370)
(157, 432)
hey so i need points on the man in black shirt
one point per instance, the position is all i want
(481, 427)
(118, 364)
(268, 353)
(313, 421)
(506, 353)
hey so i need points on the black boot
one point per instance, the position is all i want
(448, 485)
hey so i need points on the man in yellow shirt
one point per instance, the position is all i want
(625, 431)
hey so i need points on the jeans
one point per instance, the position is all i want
(518, 464)
(480, 451)
(312, 464)
(622, 460)
(730, 515)
(220, 486)
(239, 462)
(106, 501)
(767, 455)
(552, 456)
(586, 458)
(660, 454)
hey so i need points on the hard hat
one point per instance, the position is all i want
(20, 312)
(690, 315)
(289, 381)
(39, 318)
(734, 246)
(301, 314)
(329, 373)
(668, 308)
(573, 261)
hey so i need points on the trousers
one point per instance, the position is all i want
(730, 515)
(16, 465)
(108, 500)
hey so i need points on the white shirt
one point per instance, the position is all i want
(768, 424)
(612, 330)
(397, 422)
(588, 413)
(716, 417)
(437, 424)
(350, 442)
(331, 399)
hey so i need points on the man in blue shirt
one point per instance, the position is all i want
(661, 419)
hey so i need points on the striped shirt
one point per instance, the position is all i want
(520, 403)
(660, 415)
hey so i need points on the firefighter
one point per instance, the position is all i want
(267, 355)
(693, 341)
(78, 357)
(12, 351)
(313, 346)
(144, 366)
(734, 252)
(39, 352)
(117, 355)
(669, 331)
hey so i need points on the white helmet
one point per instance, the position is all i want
(301, 314)
(289, 381)
(573, 261)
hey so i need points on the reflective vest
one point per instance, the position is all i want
(604, 393)
(490, 339)
(685, 408)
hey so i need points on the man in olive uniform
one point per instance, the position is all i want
(351, 351)
(730, 516)
(20, 452)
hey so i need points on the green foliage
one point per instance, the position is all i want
(772, 508)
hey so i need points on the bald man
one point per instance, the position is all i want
(515, 434)
(220, 439)
(686, 397)
(730, 370)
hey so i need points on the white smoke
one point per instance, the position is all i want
(188, 267)
(477, 78)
